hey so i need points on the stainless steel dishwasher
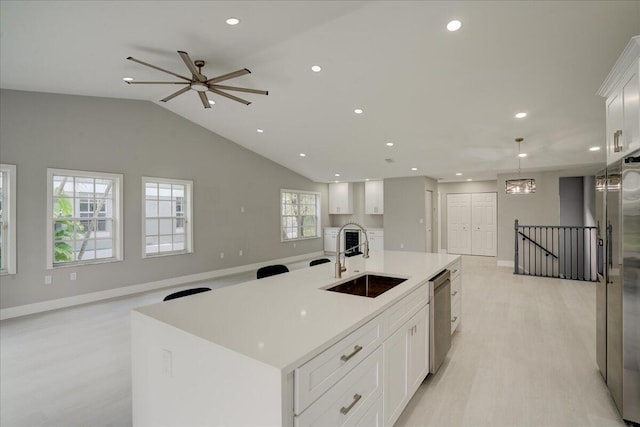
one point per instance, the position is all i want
(439, 319)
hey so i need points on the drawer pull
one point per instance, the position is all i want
(356, 349)
(454, 319)
(454, 294)
(356, 398)
(454, 271)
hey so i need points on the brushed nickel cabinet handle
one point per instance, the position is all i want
(454, 319)
(356, 398)
(454, 294)
(454, 271)
(617, 147)
(356, 349)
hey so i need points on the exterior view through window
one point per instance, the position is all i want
(300, 213)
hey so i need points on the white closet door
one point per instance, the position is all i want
(459, 224)
(483, 213)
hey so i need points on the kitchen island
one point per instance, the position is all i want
(283, 350)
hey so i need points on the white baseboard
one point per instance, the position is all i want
(502, 263)
(39, 307)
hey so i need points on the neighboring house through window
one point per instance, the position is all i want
(7, 219)
(84, 217)
(167, 216)
(300, 214)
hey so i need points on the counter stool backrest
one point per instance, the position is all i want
(185, 292)
(271, 270)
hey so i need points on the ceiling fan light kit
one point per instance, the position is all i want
(199, 82)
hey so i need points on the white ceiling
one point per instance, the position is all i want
(447, 100)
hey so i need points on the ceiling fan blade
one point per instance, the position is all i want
(191, 66)
(226, 95)
(205, 101)
(229, 76)
(158, 68)
(157, 83)
(242, 89)
(173, 95)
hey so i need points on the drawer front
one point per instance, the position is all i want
(371, 418)
(403, 310)
(349, 400)
(316, 376)
(456, 285)
(454, 269)
(456, 313)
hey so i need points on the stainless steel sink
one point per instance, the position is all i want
(367, 285)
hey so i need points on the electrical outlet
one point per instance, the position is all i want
(242, 209)
(240, 252)
(221, 255)
(73, 276)
(47, 280)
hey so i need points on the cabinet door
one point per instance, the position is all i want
(374, 197)
(341, 198)
(418, 349)
(631, 111)
(396, 390)
(330, 241)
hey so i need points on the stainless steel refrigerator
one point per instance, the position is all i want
(618, 287)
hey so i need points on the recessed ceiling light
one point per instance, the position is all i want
(303, 155)
(454, 25)
(316, 68)
(367, 179)
(358, 111)
(233, 21)
(469, 179)
(212, 102)
(414, 169)
(128, 79)
(389, 144)
(337, 174)
(522, 155)
(458, 173)
(594, 149)
(259, 130)
(521, 115)
(336, 181)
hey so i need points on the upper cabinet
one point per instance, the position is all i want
(374, 197)
(341, 198)
(621, 88)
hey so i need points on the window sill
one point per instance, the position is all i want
(299, 239)
(165, 254)
(83, 263)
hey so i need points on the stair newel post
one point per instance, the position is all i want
(515, 257)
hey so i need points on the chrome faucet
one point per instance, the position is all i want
(340, 268)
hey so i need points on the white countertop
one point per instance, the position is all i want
(286, 319)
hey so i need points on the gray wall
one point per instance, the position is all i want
(571, 201)
(368, 221)
(457, 188)
(404, 213)
(539, 208)
(137, 138)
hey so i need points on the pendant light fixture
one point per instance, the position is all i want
(520, 185)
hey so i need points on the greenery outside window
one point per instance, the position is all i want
(84, 217)
(299, 215)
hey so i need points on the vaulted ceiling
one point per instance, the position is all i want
(446, 100)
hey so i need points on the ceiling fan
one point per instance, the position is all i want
(200, 83)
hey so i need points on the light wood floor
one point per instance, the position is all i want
(525, 356)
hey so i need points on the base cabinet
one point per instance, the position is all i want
(406, 363)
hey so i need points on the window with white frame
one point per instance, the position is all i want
(167, 216)
(7, 219)
(84, 217)
(300, 214)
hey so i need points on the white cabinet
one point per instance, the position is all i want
(376, 240)
(330, 237)
(373, 197)
(622, 91)
(456, 295)
(341, 198)
(406, 364)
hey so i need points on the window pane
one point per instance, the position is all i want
(178, 191)
(166, 243)
(104, 188)
(84, 187)
(165, 226)
(151, 208)
(151, 246)
(151, 190)
(164, 191)
(151, 228)
(164, 209)
(62, 185)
